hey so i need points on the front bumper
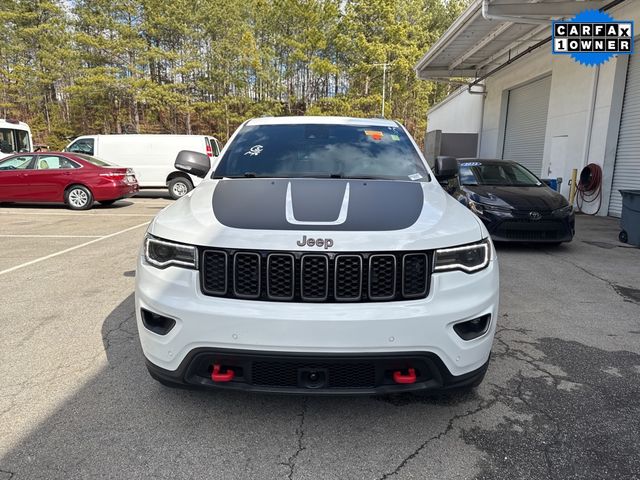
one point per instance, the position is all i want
(341, 374)
(519, 227)
(400, 328)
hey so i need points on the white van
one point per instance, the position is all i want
(150, 156)
(15, 137)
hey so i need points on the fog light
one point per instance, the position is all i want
(157, 323)
(473, 328)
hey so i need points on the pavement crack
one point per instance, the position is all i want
(619, 290)
(445, 432)
(291, 461)
(11, 474)
(527, 358)
(119, 328)
(552, 421)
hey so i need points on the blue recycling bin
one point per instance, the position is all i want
(551, 182)
(630, 220)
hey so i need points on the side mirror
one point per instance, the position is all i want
(195, 163)
(446, 168)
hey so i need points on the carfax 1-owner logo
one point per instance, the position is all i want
(592, 37)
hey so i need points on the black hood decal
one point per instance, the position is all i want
(317, 204)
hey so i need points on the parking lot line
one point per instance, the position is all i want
(50, 236)
(61, 252)
(71, 214)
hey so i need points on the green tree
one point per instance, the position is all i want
(204, 66)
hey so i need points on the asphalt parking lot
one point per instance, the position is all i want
(560, 399)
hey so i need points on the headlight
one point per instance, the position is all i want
(480, 208)
(162, 254)
(469, 258)
(563, 212)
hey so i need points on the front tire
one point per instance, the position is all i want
(179, 187)
(78, 197)
(623, 236)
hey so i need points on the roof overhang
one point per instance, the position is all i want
(487, 32)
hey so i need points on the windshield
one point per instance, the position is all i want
(14, 140)
(96, 161)
(82, 145)
(506, 174)
(321, 150)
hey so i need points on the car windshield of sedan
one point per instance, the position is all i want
(322, 151)
(94, 160)
(494, 173)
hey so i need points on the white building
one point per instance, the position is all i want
(546, 111)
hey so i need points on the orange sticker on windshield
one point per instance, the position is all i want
(374, 134)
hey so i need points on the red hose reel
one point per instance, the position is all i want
(589, 187)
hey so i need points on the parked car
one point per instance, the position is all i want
(319, 256)
(514, 204)
(77, 180)
(15, 137)
(150, 156)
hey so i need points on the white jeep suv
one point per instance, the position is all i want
(319, 255)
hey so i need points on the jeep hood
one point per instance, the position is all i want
(358, 215)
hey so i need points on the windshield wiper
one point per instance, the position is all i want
(333, 175)
(244, 175)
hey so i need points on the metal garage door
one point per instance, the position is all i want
(626, 173)
(527, 123)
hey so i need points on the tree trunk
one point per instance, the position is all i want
(136, 116)
(226, 117)
(46, 113)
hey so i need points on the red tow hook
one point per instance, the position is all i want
(217, 376)
(399, 377)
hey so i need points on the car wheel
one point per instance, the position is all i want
(179, 187)
(107, 203)
(78, 197)
(623, 237)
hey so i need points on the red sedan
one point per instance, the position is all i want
(77, 180)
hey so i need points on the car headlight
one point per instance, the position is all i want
(563, 212)
(469, 258)
(480, 208)
(162, 254)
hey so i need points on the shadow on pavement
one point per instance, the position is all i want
(153, 193)
(63, 207)
(122, 424)
(583, 424)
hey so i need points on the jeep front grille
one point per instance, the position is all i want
(315, 277)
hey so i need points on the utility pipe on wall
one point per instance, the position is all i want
(572, 190)
(590, 116)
